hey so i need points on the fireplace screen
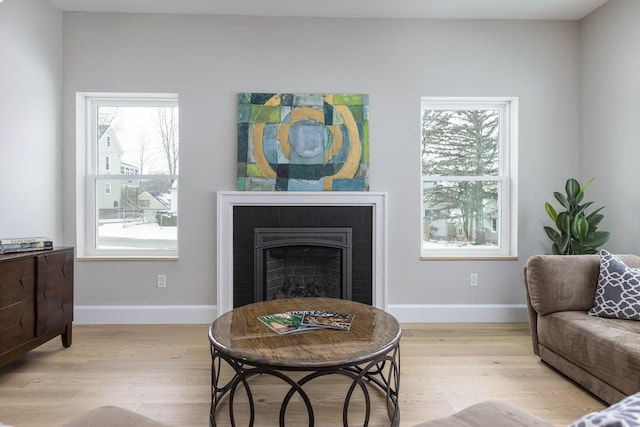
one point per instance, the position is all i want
(302, 262)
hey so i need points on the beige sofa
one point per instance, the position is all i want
(601, 354)
(490, 413)
(485, 414)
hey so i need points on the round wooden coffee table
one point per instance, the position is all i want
(368, 353)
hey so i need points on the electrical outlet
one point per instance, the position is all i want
(162, 281)
(473, 279)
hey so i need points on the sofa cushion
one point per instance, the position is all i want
(625, 413)
(618, 290)
(607, 348)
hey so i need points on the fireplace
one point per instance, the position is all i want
(310, 229)
(302, 262)
(361, 216)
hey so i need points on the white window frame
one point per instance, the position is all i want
(87, 176)
(508, 178)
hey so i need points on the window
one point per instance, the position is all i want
(135, 139)
(468, 177)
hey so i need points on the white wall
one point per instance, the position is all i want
(610, 66)
(208, 59)
(30, 120)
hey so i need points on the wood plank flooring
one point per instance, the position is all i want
(163, 371)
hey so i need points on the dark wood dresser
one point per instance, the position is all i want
(36, 300)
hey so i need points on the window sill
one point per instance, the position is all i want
(468, 258)
(127, 258)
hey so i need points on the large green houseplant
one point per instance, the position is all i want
(576, 231)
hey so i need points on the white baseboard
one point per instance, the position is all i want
(144, 314)
(205, 314)
(459, 313)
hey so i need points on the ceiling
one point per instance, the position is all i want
(572, 10)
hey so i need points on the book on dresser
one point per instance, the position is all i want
(25, 244)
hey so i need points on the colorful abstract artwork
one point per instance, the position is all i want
(303, 142)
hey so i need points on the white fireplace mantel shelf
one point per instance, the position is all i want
(228, 199)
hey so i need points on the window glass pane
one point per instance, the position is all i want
(137, 214)
(140, 140)
(461, 142)
(461, 214)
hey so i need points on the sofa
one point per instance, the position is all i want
(572, 328)
(492, 413)
(485, 414)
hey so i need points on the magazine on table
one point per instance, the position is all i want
(327, 319)
(298, 320)
(283, 323)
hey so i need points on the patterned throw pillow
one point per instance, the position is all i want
(618, 290)
(625, 413)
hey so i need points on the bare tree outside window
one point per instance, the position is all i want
(168, 129)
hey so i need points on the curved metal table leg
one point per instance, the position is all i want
(383, 372)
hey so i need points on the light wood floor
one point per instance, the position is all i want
(164, 372)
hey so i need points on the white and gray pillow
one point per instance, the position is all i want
(625, 413)
(618, 290)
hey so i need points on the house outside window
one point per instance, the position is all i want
(130, 146)
(468, 160)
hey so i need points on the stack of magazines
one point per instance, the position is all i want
(25, 244)
(294, 321)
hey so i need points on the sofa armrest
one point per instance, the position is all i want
(533, 316)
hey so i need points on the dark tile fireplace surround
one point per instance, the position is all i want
(348, 229)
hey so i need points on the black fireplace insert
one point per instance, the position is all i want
(291, 251)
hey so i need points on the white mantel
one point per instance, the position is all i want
(228, 199)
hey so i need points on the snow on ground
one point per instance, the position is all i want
(137, 230)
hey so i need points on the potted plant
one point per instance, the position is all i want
(576, 231)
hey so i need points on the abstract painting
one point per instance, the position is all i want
(303, 142)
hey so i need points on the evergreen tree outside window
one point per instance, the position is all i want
(468, 164)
